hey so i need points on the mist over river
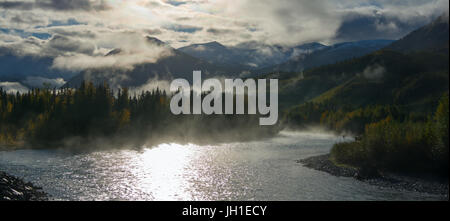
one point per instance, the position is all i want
(260, 170)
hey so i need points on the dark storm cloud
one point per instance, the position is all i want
(376, 26)
(57, 5)
(17, 5)
(61, 43)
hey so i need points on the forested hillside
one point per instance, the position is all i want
(69, 117)
(394, 100)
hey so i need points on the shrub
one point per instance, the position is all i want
(412, 147)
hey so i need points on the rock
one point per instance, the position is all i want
(368, 172)
(323, 163)
(371, 175)
(14, 189)
(15, 192)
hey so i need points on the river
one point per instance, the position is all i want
(259, 170)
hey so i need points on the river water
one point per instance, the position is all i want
(261, 170)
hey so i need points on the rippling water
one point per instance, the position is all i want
(263, 170)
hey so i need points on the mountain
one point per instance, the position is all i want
(213, 52)
(327, 55)
(248, 55)
(177, 65)
(18, 68)
(413, 80)
(413, 71)
(432, 37)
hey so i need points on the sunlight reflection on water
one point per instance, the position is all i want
(261, 170)
(162, 170)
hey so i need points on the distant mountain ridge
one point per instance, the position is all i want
(248, 55)
(413, 76)
(432, 37)
(18, 68)
(212, 52)
(178, 65)
(215, 59)
(328, 55)
(222, 61)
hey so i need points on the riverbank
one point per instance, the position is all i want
(386, 180)
(15, 189)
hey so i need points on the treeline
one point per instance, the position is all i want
(387, 99)
(388, 137)
(415, 147)
(45, 117)
(342, 118)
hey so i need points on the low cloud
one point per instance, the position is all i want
(181, 22)
(39, 82)
(374, 72)
(387, 20)
(150, 85)
(124, 60)
(61, 43)
(89, 49)
(13, 87)
(199, 48)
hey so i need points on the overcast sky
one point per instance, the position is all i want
(84, 29)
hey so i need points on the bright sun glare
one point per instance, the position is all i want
(165, 165)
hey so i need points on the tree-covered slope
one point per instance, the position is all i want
(411, 79)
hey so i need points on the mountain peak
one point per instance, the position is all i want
(432, 37)
(443, 18)
(311, 46)
(212, 44)
(114, 52)
(155, 41)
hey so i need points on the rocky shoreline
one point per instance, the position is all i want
(15, 189)
(386, 180)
